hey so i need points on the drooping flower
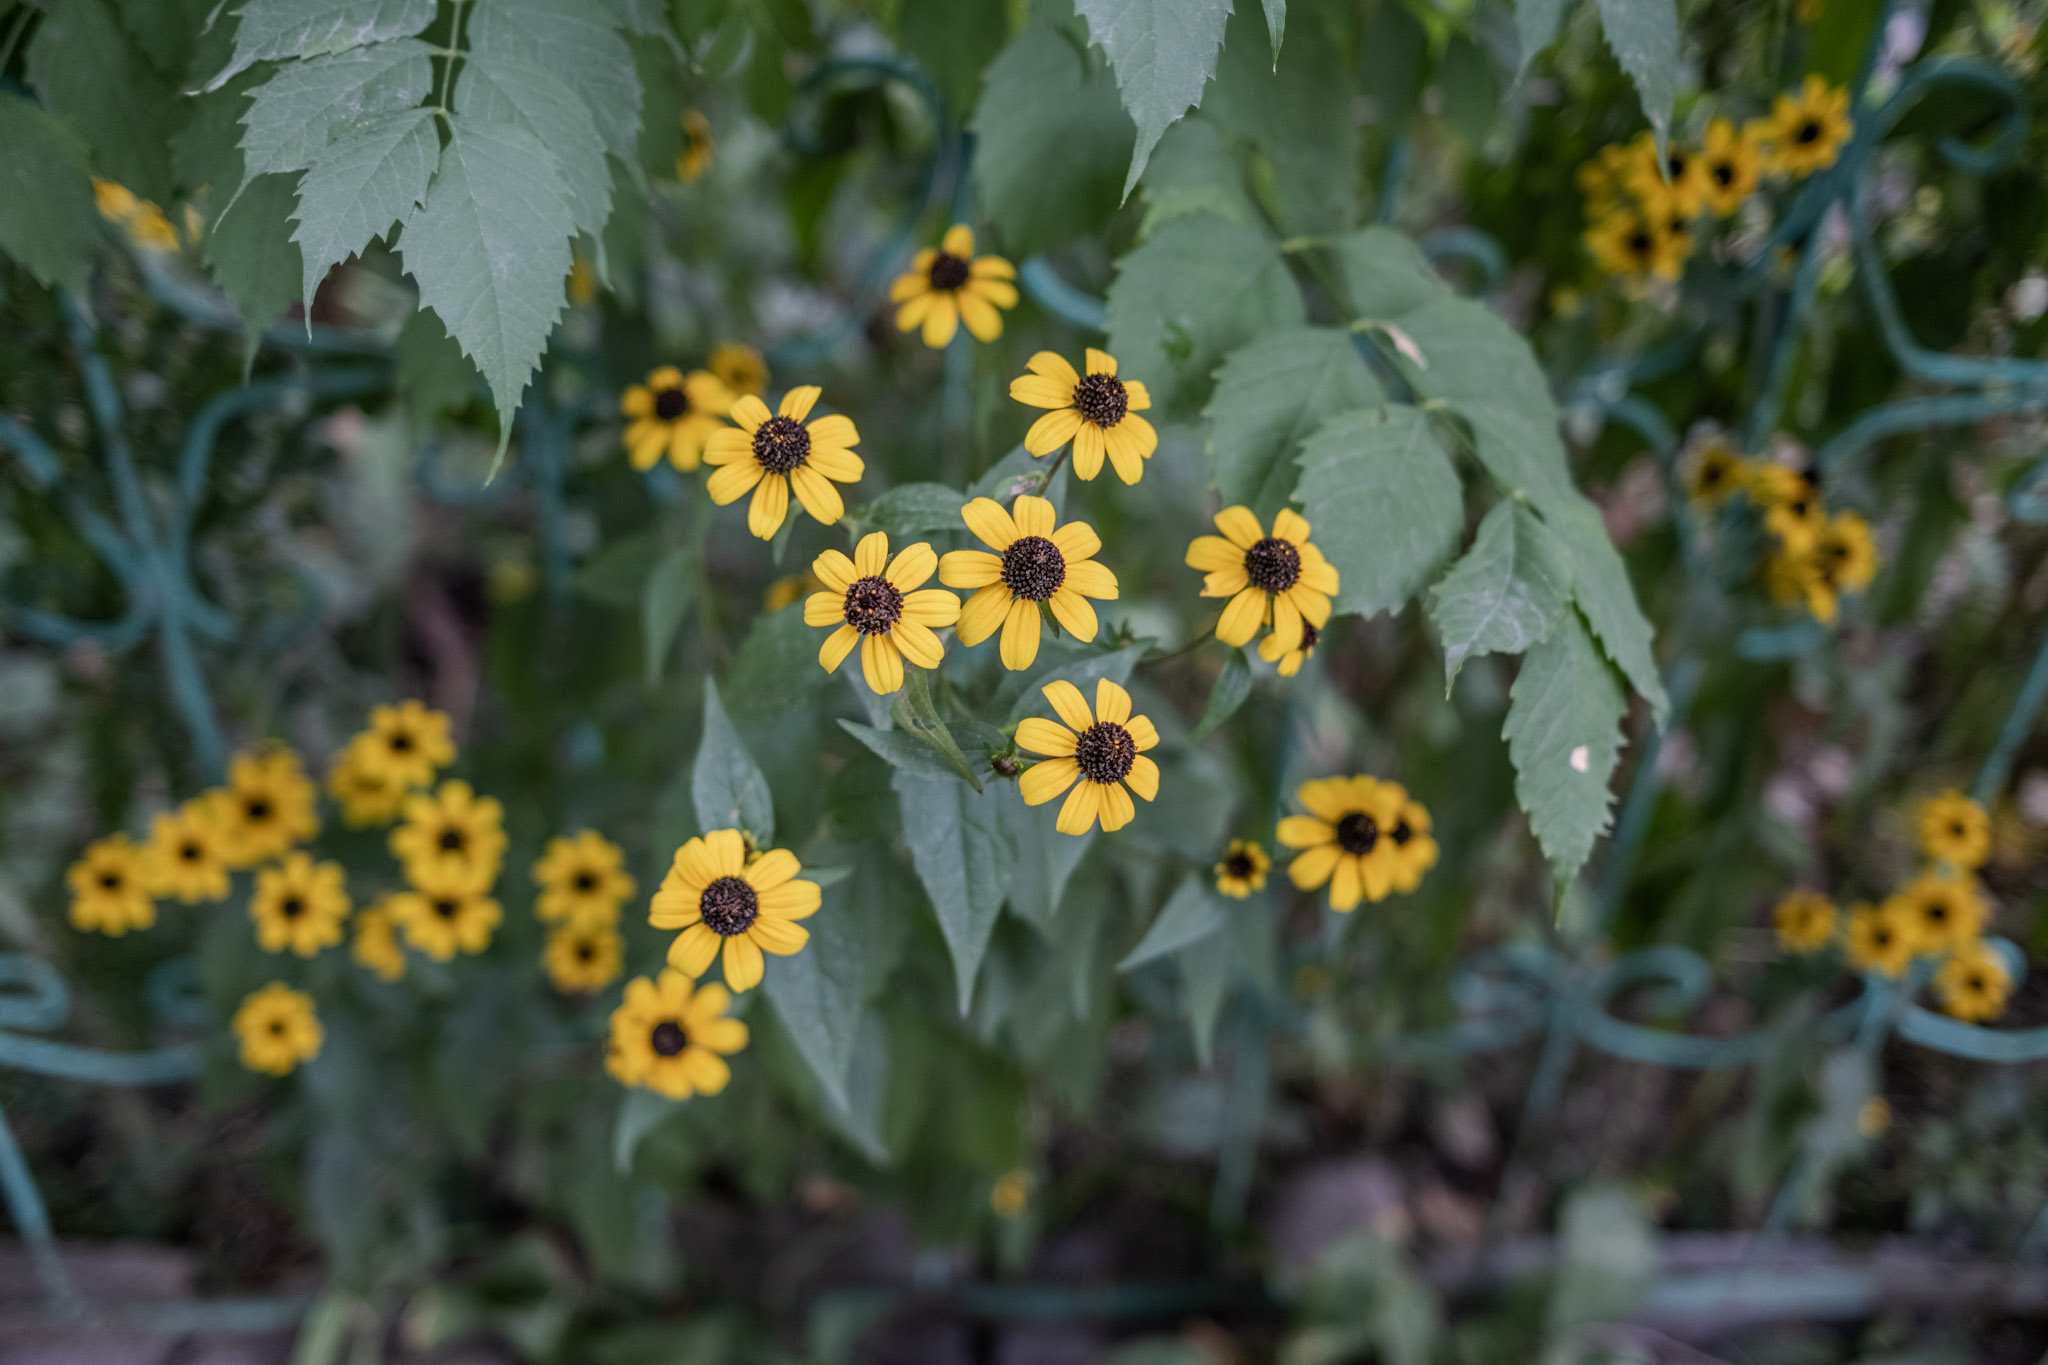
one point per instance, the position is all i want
(1732, 162)
(1954, 829)
(187, 856)
(878, 604)
(582, 880)
(673, 414)
(951, 285)
(1806, 131)
(1280, 580)
(1274, 650)
(110, 888)
(375, 945)
(299, 906)
(453, 832)
(266, 807)
(1360, 836)
(1974, 983)
(1036, 560)
(698, 148)
(1804, 921)
(1099, 754)
(1881, 939)
(1242, 869)
(773, 454)
(1412, 849)
(446, 911)
(728, 906)
(278, 1029)
(672, 1037)
(1097, 411)
(583, 957)
(1943, 909)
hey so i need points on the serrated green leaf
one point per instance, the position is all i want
(1192, 913)
(1564, 738)
(964, 856)
(1506, 593)
(1192, 171)
(1382, 275)
(817, 994)
(1600, 585)
(490, 251)
(662, 608)
(372, 176)
(860, 1118)
(1051, 143)
(1536, 26)
(95, 79)
(1194, 291)
(1643, 35)
(305, 105)
(207, 151)
(955, 40)
(915, 714)
(252, 256)
(1296, 109)
(1269, 396)
(579, 42)
(48, 221)
(776, 669)
(911, 511)
(270, 30)
(1388, 505)
(504, 89)
(1233, 684)
(726, 784)
(1163, 53)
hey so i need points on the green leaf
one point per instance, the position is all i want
(915, 715)
(1051, 143)
(1269, 396)
(48, 222)
(617, 574)
(954, 40)
(251, 253)
(1205, 968)
(93, 77)
(1507, 592)
(1276, 25)
(1600, 585)
(1536, 26)
(1192, 171)
(1192, 913)
(776, 669)
(502, 89)
(1389, 508)
(358, 186)
(1643, 35)
(1017, 472)
(1233, 684)
(436, 377)
(490, 251)
(859, 1119)
(1046, 860)
(1382, 274)
(1163, 53)
(579, 42)
(817, 995)
(1296, 109)
(207, 151)
(662, 608)
(640, 1113)
(965, 858)
(1564, 738)
(1193, 292)
(1026, 695)
(912, 511)
(901, 751)
(269, 30)
(726, 784)
(306, 105)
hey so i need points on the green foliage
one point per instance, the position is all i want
(91, 73)
(1269, 396)
(1564, 736)
(1388, 503)
(726, 784)
(1163, 54)
(1051, 142)
(1506, 593)
(47, 218)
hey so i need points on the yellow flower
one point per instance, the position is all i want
(116, 202)
(673, 414)
(1796, 519)
(774, 454)
(141, 219)
(739, 367)
(452, 831)
(952, 285)
(722, 901)
(1973, 983)
(1944, 911)
(1096, 754)
(672, 1038)
(1097, 411)
(1036, 560)
(1360, 836)
(1242, 869)
(884, 612)
(1713, 472)
(1844, 555)
(1602, 178)
(695, 158)
(406, 743)
(1633, 247)
(1805, 921)
(582, 281)
(299, 905)
(582, 880)
(1279, 580)
(278, 1029)
(1011, 1194)
(1954, 829)
(1683, 194)
(375, 944)
(187, 855)
(266, 808)
(110, 888)
(1274, 651)
(1806, 131)
(789, 588)
(1881, 939)
(1731, 162)
(367, 796)
(583, 958)
(446, 911)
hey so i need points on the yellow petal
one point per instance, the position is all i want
(1143, 733)
(726, 446)
(797, 403)
(1082, 805)
(1076, 541)
(871, 556)
(1304, 831)
(1213, 553)
(817, 495)
(982, 615)
(1112, 703)
(834, 570)
(693, 950)
(941, 322)
(1136, 396)
(1052, 431)
(778, 936)
(1117, 809)
(958, 241)
(990, 523)
(1042, 736)
(772, 869)
(912, 566)
(1020, 635)
(1100, 362)
(1124, 454)
(825, 608)
(837, 646)
(748, 413)
(909, 285)
(881, 664)
(1034, 516)
(1286, 622)
(992, 268)
(1038, 391)
(1068, 704)
(742, 962)
(1053, 365)
(1091, 579)
(1314, 867)
(1242, 617)
(1073, 613)
(1239, 527)
(1289, 526)
(1042, 782)
(983, 322)
(931, 607)
(791, 900)
(833, 432)
(1144, 777)
(917, 644)
(728, 852)
(1347, 888)
(840, 466)
(766, 513)
(970, 568)
(1088, 451)
(730, 484)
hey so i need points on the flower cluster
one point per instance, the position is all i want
(583, 882)
(1364, 837)
(1815, 558)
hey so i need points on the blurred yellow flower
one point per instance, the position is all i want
(299, 905)
(673, 414)
(266, 807)
(1806, 131)
(1974, 983)
(695, 158)
(1954, 829)
(582, 958)
(1242, 869)
(1360, 836)
(739, 367)
(950, 285)
(1946, 911)
(1805, 921)
(452, 836)
(1881, 939)
(672, 1037)
(187, 855)
(278, 1029)
(110, 888)
(446, 911)
(726, 905)
(375, 943)
(582, 879)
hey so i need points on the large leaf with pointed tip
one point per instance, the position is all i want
(490, 251)
(1051, 143)
(374, 175)
(1269, 396)
(1643, 35)
(505, 89)
(268, 30)
(47, 218)
(726, 785)
(98, 81)
(1163, 53)
(1506, 593)
(965, 856)
(297, 112)
(1600, 585)
(1387, 504)
(1194, 911)
(1536, 26)
(1297, 109)
(817, 994)
(1564, 738)
(579, 41)
(252, 255)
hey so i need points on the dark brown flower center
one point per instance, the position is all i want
(1105, 752)
(1723, 173)
(291, 907)
(948, 271)
(1358, 833)
(1272, 564)
(585, 881)
(1102, 399)
(1881, 937)
(670, 404)
(873, 605)
(446, 907)
(1309, 636)
(257, 808)
(585, 951)
(1034, 568)
(1955, 828)
(453, 840)
(1936, 911)
(400, 743)
(1675, 160)
(668, 1038)
(781, 444)
(1640, 243)
(1975, 984)
(1238, 865)
(1400, 833)
(729, 906)
(110, 881)
(1809, 131)
(191, 852)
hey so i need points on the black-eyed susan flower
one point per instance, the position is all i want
(671, 1036)
(1411, 849)
(739, 367)
(775, 454)
(1974, 983)
(1634, 247)
(1274, 650)
(1677, 188)
(1603, 178)
(1795, 513)
(1804, 921)
(1731, 161)
(582, 880)
(454, 832)
(673, 414)
(446, 911)
(1844, 554)
(1098, 754)
(1713, 471)
(277, 1028)
(405, 743)
(366, 797)
(374, 943)
(880, 604)
(1806, 130)
(1242, 869)
(1944, 910)
(1881, 939)
(583, 957)
(698, 148)
(1344, 839)
(726, 905)
(951, 285)
(299, 906)
(1036, 561)
(1954, 829)
(1097, 411)
(141, 219)
(266, 807)
(1279, 580)
(187, 857)
(110, 888)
